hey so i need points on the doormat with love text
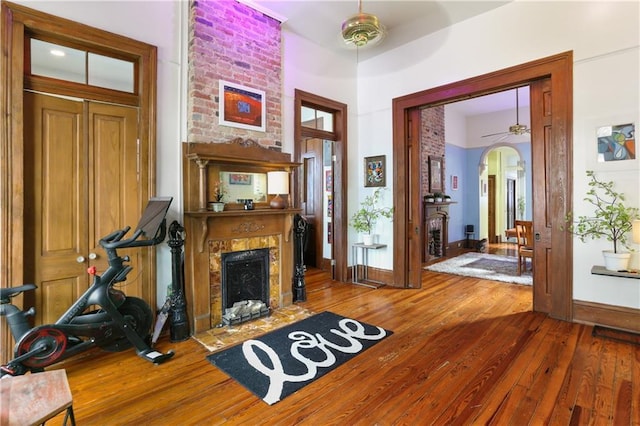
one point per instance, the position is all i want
(279, 363)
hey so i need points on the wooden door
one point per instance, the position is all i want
(81, 183)
(544, 180)
(491, 207)
(511, 203)
(415, 219)
(312, 172)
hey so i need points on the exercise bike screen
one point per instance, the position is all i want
(153, 215)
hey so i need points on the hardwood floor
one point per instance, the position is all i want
(464, 351)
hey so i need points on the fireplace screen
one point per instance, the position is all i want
(245, 285)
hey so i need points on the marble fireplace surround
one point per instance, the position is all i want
(218, 247)
(209, 234)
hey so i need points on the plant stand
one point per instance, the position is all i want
(365, 264)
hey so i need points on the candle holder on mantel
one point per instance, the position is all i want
(278, 185)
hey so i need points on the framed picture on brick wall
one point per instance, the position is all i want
(242, 107)
(435, 174)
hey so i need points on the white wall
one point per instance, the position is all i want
(606, 74)
(316, 70)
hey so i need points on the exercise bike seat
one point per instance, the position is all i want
(8, 293)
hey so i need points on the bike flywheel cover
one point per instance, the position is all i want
(47, 343)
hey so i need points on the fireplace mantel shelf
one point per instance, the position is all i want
(240, 212)
(206, 216)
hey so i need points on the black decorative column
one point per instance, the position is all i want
(300, 226)
(179, 326)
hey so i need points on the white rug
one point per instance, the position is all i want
(485, 266)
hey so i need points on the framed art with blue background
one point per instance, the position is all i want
(242, 106)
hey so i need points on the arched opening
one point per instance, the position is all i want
(505, 193)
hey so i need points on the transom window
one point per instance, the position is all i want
(81, 66)
(316, 119)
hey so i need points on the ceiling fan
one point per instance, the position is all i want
(515, 129)
(362, 29)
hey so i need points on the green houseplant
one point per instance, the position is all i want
(365, 218)
(611, 220)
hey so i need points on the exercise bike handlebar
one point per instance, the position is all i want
(114, 240)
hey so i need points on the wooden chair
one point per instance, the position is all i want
(524, 235)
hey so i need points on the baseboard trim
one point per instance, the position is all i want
(617, 317)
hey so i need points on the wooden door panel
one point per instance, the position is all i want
(59, 295)
(83, 185)
(415, 219)
(57, 213)
(114, 193)
(491, 203)
(542, 159)
(312, 155)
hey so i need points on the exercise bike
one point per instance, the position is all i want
(120, 322)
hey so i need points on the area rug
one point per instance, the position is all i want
(485, 266)
(279, 363)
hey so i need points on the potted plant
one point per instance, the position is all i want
(446, 198)
(219, 191)
(438, 196)
(611, 220)
(366, 217)
(429, 198)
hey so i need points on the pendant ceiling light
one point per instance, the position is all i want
(362, 29)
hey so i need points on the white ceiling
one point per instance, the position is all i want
(320, 21)
(405, 21)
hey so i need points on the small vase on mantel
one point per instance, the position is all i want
(216, 206)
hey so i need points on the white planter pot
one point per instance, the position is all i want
(367, 239)
(616, 261)
(217, 207)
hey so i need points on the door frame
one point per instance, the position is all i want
(16, 22)
(339, 177)
(559, 68)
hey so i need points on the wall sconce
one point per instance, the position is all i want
(278, 185)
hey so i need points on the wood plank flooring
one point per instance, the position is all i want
(464, 351)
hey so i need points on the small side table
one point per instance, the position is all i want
(35, 398)
(364, 248)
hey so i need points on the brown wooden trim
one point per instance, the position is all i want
(11, 165)
(559, 69)
(619, 317)
(340, 219)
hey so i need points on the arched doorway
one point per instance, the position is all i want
(505, 195)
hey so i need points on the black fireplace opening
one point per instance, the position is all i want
(245, 285)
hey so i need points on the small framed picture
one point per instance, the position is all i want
(617, 142)
(240, 179)
(375, 170)
(435, 174)
(454, 182)
(242, 107)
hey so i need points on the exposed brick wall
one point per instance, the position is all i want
(432, 143)
(232, 42)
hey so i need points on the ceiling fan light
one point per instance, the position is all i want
(362, 29)
(518, 129)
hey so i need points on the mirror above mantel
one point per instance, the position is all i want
(240, 166)
(240, 185)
